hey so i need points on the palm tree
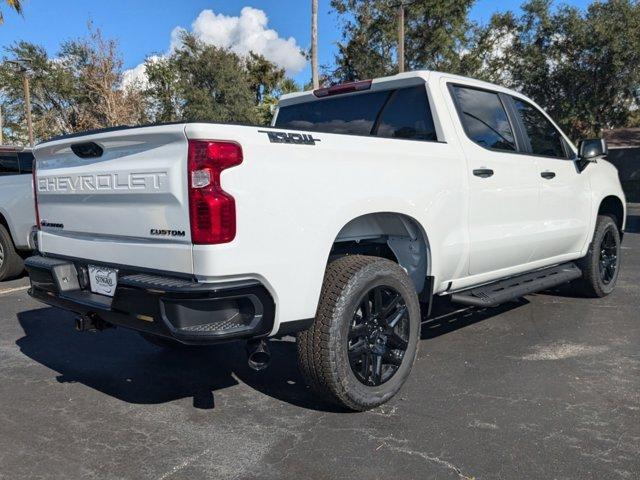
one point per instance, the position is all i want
(15, 4)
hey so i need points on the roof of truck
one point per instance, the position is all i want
(405, 77)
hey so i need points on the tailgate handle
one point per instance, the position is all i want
(87, 150)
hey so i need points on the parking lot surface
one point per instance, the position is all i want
(547, 388)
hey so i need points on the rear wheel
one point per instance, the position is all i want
(11, 264)
(363, 343)
(601, 266)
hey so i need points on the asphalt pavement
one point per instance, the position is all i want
(546, 388)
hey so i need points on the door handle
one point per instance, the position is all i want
(548, 175)
(483, 172)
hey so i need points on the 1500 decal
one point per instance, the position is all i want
(287, 137)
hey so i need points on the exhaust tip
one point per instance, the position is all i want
(258, 355)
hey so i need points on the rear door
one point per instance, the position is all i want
(565, 199)
(118, 197)
(503, 183)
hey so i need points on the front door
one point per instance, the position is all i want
(565, 198)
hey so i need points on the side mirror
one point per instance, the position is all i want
(592, 149)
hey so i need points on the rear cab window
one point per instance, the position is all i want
(401, 113)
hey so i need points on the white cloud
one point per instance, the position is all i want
(249, 33)
(246, 33)
(137, 76)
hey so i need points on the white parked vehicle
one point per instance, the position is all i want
(358, 204)
(17, 210)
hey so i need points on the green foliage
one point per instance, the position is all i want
(583, 67)
(264, 76)
(54, 90)
(15, 4)
(212, 84)
(78, 90)
(435, 33)
(200, 82)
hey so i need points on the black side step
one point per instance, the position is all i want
(494, 294)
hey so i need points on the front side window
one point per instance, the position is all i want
(8, 163)
(545, 139)
(484, 118)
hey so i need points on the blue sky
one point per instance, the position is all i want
(144, 27)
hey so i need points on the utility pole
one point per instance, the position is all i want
(314, 44)
(22, 65)
(27, 103)
(401, 38)
(0, 124)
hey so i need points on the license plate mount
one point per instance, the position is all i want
(103, 280)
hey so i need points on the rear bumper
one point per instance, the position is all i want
(178, 308)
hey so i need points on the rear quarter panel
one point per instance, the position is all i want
(293, 200)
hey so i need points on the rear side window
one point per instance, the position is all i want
(407, 115)
(402, 113)
(25, 159)
(484, 118)
(545, 139)
(8, 163)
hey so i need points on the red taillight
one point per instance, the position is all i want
(211, 209)
(35, 193)
(343, 88)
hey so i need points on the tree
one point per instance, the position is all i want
(79, 89)
(435, 33)
(163, 89)
(98, 71)
(582, 67)
(15, 4)
(265, 79)
(264, 76)
(52, 92)
(200, 82)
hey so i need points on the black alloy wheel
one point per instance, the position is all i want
(378, 336)
(608, 258)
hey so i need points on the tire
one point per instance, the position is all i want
(162, 342)
(11, 264)
(338, 355)
(601, 266)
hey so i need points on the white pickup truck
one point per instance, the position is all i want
(339, 223)
(17, 209)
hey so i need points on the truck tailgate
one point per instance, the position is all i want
(124, 202)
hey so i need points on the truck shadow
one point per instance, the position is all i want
(633, 224)
(121, 364)
(447, 317)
